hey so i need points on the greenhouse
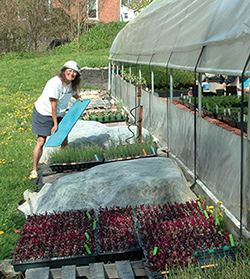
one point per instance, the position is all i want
(199, 36)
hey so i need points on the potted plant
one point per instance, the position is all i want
(112, 115)
(99, 116)
(106, 116)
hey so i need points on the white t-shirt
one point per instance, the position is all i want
(55, 89)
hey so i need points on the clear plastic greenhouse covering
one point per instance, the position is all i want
(213, 35)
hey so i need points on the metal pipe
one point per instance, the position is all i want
(152, 81)
(109, 77)
(140, 74)
(242, 145)
(171, 85)
(195, 122)
(200, 95)
(112, 77)
(138, 135)
(117, 70)
(130, 73)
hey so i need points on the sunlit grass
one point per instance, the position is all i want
(219, 268)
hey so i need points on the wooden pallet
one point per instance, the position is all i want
(117, 270)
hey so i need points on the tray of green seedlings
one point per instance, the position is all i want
(76, 158)
(117, 151)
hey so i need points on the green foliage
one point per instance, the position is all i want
(224, 105)
(72, 154)
(227, 102)
(114, 150)
(136, 5)
(134, 78)
(161, 77)
(118, 150)
(100, 36)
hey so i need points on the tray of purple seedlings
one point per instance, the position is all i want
(56, 239)
(171, 234)
(117, 237)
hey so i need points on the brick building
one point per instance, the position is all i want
(96, 10)
(108, 10)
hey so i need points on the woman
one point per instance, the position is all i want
(51, 106)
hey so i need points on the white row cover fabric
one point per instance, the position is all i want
(212, 34)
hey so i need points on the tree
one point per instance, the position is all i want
(35, 15)
(136, 5)
(30, 24)
(77, 12)
(11, 34)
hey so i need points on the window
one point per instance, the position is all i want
(92, 9)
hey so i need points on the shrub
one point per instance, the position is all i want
(100, 36)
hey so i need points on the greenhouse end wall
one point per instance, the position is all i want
(218, 150)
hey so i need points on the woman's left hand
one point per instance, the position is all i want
(78, 97)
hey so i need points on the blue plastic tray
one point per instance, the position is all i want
(67, 123)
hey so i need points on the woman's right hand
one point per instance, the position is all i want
(54, 128)
(54, 114)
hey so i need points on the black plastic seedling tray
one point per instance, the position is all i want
(75, 166)
(204, 259)
(131, 254)
(54, 262)
(78, 166)
(212, 256)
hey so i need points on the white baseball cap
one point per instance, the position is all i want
(72, 65)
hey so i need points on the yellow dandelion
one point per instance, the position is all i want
(211, 211)
(1, 232)
(211, 207)
(221, 214)
(219, 202)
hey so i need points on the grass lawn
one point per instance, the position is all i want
(21, 83)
